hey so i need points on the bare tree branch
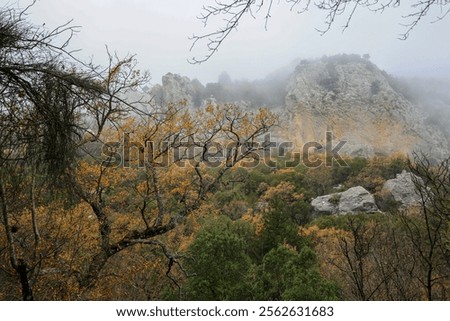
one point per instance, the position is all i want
(225, 16)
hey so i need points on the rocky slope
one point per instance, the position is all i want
(351, 97)
(346, 94)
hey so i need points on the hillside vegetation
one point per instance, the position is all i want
(107, 194)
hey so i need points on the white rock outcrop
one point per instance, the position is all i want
(402, 189)
(354, 200)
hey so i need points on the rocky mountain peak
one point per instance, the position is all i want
(351, 97)
(345, 94)
(176, 88)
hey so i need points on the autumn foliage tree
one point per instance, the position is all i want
(42, 85)
(428, 228)
(52, 106)
(175, 178)
(402, 255)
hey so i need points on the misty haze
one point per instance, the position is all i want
(235, 150)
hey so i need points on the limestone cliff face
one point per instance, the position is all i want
(176, 88)
(344, 94)
(352, 98)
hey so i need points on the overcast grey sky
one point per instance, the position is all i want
(158, 31)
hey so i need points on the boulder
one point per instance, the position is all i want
(324, 205)
(357, 199)
(402, 189)
(354, 200)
